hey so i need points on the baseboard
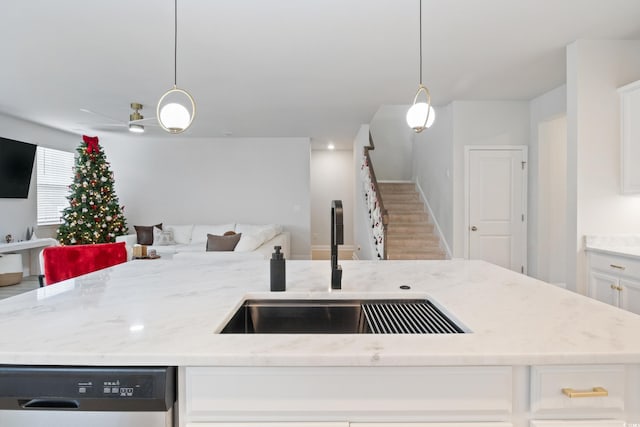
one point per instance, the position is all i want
(436, 226)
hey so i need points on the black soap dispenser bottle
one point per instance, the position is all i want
(278, 280)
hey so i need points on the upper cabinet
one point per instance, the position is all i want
(630, 135)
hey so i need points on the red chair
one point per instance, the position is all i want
(66, 262)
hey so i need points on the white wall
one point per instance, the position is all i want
(551, 247)
(215, 181)
(548, 106)
(331, 179)
(392, 138)
(432, 169)
(18, 214)
(595, 69)
(482, 123)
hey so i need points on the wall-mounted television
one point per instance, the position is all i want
(16, 166)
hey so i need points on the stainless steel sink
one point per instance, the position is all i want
(337, 316)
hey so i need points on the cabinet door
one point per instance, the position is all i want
(630, 135)
(465, 424)
(581, 423)
(604, 287)
(630, 295)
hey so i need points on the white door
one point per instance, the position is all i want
(496, 182)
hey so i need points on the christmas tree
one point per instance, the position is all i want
(94, 214)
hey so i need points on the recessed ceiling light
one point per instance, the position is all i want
(331, 146)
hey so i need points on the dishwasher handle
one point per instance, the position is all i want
(44, 403)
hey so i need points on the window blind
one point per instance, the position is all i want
(55, 175)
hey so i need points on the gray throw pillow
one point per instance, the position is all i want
(145, 233)
(222, 243)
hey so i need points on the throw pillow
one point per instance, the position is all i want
(181, 233)
(222, 243)
(162, 237)
(145, 233)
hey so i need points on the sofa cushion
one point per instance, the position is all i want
(199, 234)
(181, 233)
(253, 236)
(222, 243)
(145, 233)
(162, 237)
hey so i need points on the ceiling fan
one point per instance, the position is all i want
(136, 123)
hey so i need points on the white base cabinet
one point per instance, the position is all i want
(354, 394)
(468, 396)
(581, 423)
(615, 280)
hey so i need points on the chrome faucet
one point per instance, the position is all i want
(337, 238)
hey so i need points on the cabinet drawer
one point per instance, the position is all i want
(581, 423)
(617, 265)
(347, 393)
(548, 398)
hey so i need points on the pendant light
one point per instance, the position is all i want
(421, 114)
(173, 116)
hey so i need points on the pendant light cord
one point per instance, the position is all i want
(175, 43)
(420, 42)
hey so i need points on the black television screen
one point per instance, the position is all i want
(16, 166)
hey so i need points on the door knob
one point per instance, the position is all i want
(474, 228)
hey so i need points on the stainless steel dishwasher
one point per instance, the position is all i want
(76, 396)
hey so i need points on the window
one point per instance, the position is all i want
(55, 175)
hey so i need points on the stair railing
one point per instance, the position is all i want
(373, 197)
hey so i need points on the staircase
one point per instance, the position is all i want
(410, 235)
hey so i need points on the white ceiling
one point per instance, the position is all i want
(317, 68)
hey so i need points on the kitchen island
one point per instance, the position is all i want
(526, 341)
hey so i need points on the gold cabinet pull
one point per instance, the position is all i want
(616, 287)
(594, 392)
(619, 267)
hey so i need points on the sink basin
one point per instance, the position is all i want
(337, 316)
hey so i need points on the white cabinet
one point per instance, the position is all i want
(439, 396)
(350, 394)
(580, 391)
(461, 424)
(580, 423)
(615, 280)
(630, 137)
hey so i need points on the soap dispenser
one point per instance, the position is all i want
(278, 281)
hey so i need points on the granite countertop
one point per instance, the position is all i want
(627, 245)
(167, 312)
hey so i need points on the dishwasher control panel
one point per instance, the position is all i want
(79, 388)
(114, 387)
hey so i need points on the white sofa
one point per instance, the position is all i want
(192, 238)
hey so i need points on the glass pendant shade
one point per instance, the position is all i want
(172, 114)
(417, 116)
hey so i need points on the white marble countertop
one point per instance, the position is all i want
(627, 245)
(164, 312)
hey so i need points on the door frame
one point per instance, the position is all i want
(525, 177)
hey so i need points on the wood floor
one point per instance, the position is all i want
(27, 284)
